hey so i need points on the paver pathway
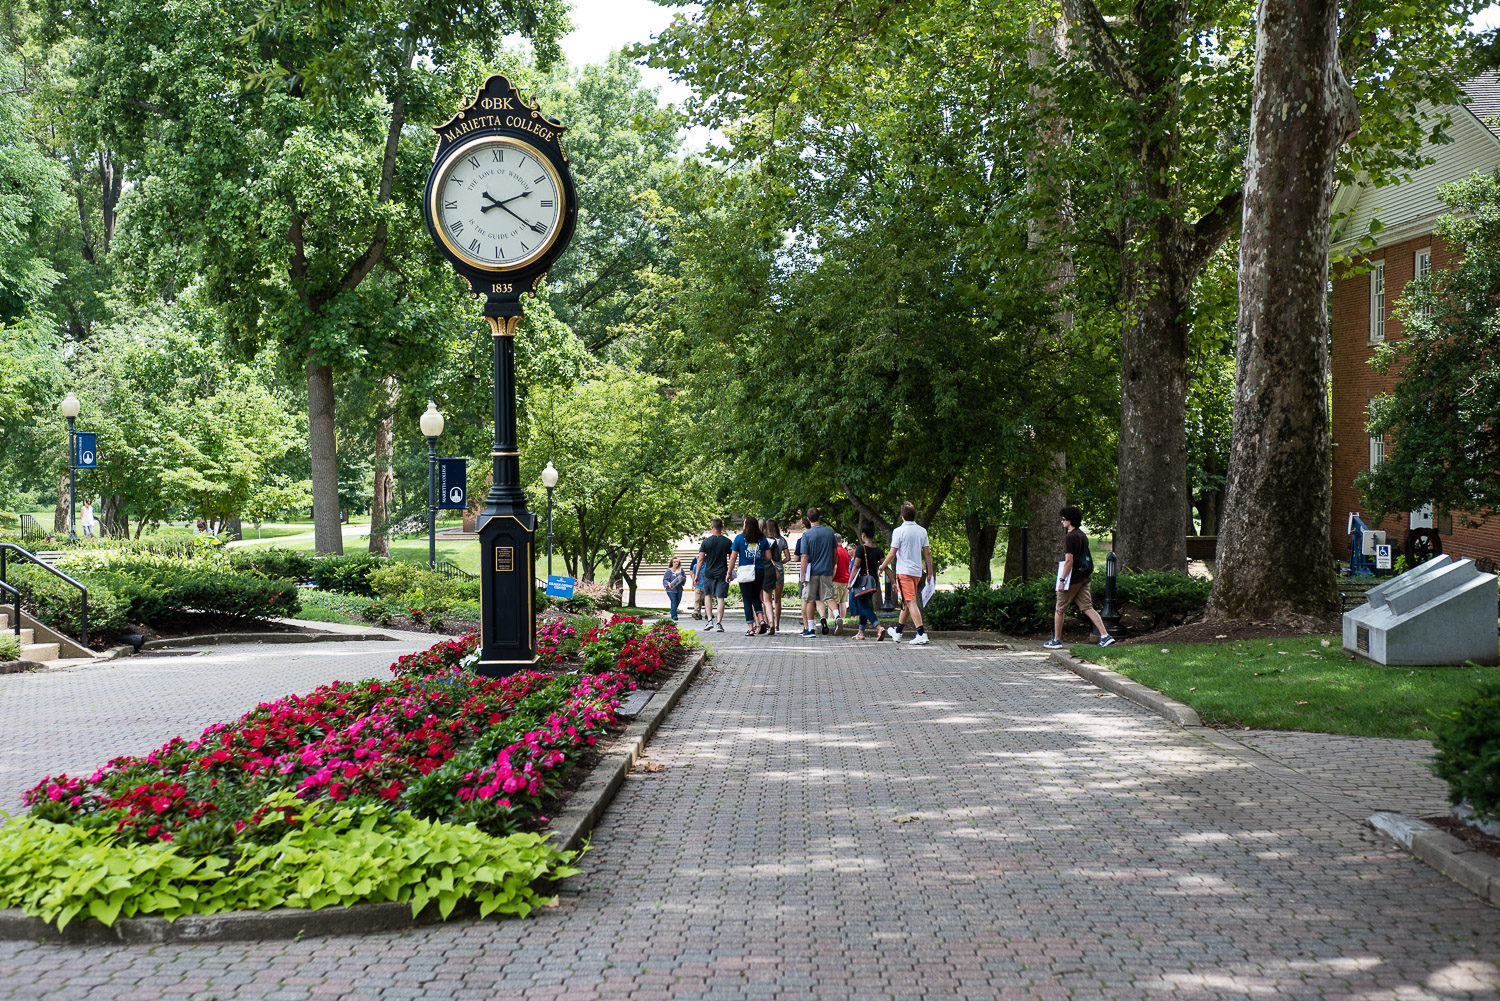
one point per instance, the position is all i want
(852, 821)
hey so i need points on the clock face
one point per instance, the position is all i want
(498, 203)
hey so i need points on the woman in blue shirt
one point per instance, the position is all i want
(750, 547)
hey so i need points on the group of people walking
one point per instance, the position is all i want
(834, 579)
(840, 580)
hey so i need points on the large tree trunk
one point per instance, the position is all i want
(385, 482)
(1153, 498)
(115, 522)
(1044, 539)
(982, 537)
(328, 534)
(1302, 111)
(63, 510)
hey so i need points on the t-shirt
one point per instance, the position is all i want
(841, 565)
(1074, 544)
(743, 548)
(715, 550)
(908, 540)
(778, 550)
(869, 558)
(817, 545)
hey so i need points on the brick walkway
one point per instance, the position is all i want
(850, 821)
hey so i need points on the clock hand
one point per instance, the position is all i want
(535, 227)
(501, 204)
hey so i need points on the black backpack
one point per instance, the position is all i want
(1086, 565)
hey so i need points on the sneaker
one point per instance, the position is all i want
(763, 629)
(1052, 644)
(808, 632)
(919, 640)
(894, 634)
(720, 627)
(837, 625)
(825, 626)
(1106, 640)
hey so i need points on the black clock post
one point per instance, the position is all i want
(484, 164)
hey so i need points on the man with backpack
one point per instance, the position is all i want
(1073, 579)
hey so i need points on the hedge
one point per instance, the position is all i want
(1467, 746)
(1018, 609)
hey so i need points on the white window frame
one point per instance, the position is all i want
(1377, 450)
(1377, 301)
(1421, 264)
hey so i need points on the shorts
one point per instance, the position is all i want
(716, 587)
(840, 591)
(910, 587)
(818, 588)
(1079, 592)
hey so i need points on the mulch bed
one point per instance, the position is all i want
(1471, 836)
(1199, 631)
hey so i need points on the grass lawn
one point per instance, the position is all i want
(312, 613)
(1303, 683)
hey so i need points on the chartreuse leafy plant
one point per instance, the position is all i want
(330, 855)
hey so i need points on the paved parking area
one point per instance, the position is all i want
(850, 821)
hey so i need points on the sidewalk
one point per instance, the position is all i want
(844, 820)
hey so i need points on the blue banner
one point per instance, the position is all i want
(85, 455)
(560, 587)
(453, 484)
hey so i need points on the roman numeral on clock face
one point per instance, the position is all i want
(499, 155)
(456, 227)
(474, 246)
(539, 180)
(450, 205)
(474, 160)
(546, 203)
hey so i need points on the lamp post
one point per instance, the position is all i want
(1110, 613)
(69, 409)
(549, 480)
(432, 426)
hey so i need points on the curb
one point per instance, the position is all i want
(218, 639)
(1177, 712)
(572, 826)
(1473, 870)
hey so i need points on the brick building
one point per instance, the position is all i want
(1363, 300)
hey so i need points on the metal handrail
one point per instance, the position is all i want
(83, 617)
(16, 596)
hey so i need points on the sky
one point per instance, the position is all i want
(601, 26)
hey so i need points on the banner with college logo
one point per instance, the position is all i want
(453, 484)
(85, 454)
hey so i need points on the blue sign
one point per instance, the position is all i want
(453, 484)
(85, 455)
(560, 587)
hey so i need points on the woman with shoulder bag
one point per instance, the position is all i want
(747, 565)
(776, 576)
(864, 581)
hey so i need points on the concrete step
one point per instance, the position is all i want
(42, 652)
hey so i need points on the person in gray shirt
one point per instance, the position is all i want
(815, 548)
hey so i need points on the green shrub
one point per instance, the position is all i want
(345, 604)
(414, 583)
(1160, 594)
(1018, 609)
(59, 604)
(10, 646)
(1015, 608)
(333, 856)
(285, 564)
(155, 593)
(1467, 746)
(348, 574)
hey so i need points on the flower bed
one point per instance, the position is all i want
(434, 746)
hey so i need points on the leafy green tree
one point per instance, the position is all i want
(1442, 418)
(628, 486)
(287, 148)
